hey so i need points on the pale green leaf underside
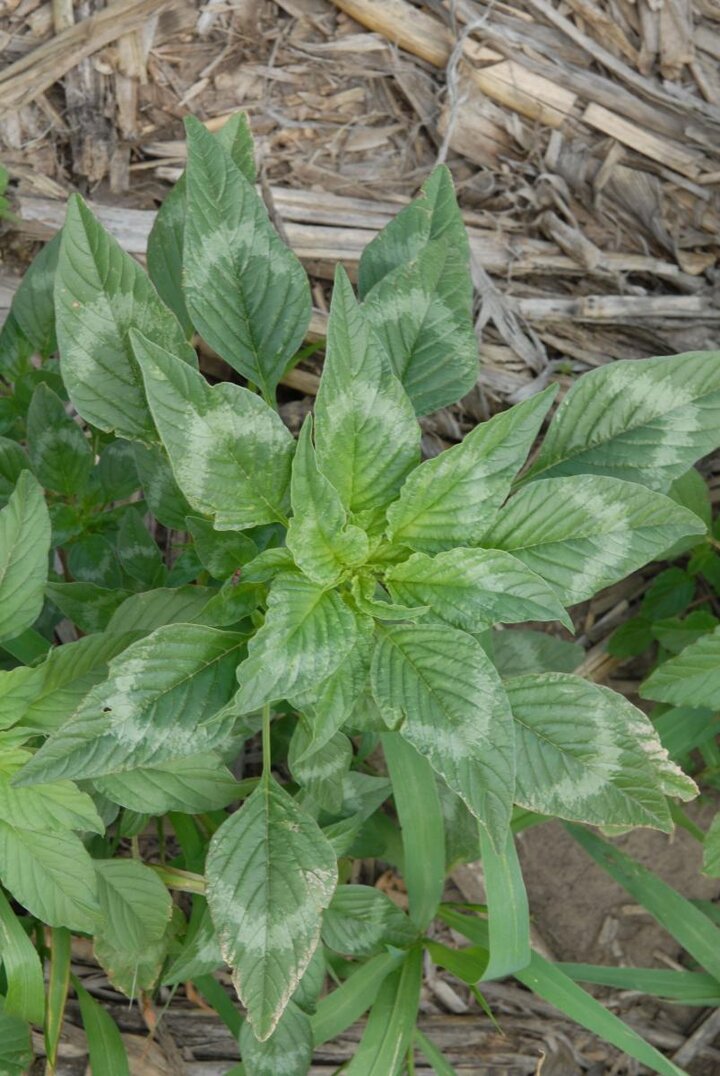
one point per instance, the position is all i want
(692, 678)
(24, 548)
(583, 532)
(307, 634)
(246, 292)
(100, 294)
(366, 434)
(449, 500)
(586, 754)
(230, 453)
(439, 686)
(645, 421)
(270, 873)
(322, 543)
(474, 588)
(156, 704)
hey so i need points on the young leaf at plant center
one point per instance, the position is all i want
(135, 909)
(307, 634)
(388, 1032)
(24, 548)
(437, 685)
(366, 435)
(230, 453)
(59, 452)
(167, 235)
(417, 802)
(25, 991)
(100, 294)
(221, 552)
(690, 679)
(584, 532)
(33, 303)
(526, 651)
(474, 588)
(16, 1052)
(433, 215)
(644, 421)
(270, 873)
(288, 1050)
(322, 543)
(246, 292)
(50, 874)
(92, 559)
(193, 785)
(422, 313)
(585, 753)
(321, 773)
(157, 704)
(138, 553)
(362, 920)
(449, 500)
(371, 599)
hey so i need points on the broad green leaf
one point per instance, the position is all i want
(551, 984)
(138, 552)
(116, 470)
(690, 927)
(321, 772)
(156, 704)
(322, 543)
(221, 552)
(152, 609)
(711, 849)
(247, 293)
(15, 353)
(88, 605)
(366, 434)
(162, 494)
(59, 452)
(584, 532)
(692, 678)
(372, 600)
(308, 632)
(54, 808)
(436, 684)
(105, 1044)
(312, 983)
(669, 594)
(288, 1050)
(200, 954)
(24, 548)
(631, 638)
(585, 753)
(518, 652)
(230, 453)
(388, 1032)
(417, 802)
(341, 1008)
(13, 461)
(682, 729)
(674, 633)
(474, 588)
(270, 873)
(645, 421)
(508, 912)
(193, 785)
(362, 920)
(33, 303)
(51, 875)
(449, 500)
(100, 294)
(433, 215)
(25, 995)
(135, 910)
(44, 696)
(16, 1052)
(422, 313)
(93, 560)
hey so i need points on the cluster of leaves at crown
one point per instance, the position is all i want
(370, 581)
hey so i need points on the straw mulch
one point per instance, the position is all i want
(584, 138)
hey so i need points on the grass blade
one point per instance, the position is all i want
(508, 912)
(687, 924)
(105, 1045)
(25, 994)
(338, 1010)
(388, 1032)
(687, 987)
(57, 993)
(440, 1066)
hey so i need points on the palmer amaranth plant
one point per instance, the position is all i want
(335, 597)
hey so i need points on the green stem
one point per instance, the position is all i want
(266, 750)
(182, 881)
(681, 819)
